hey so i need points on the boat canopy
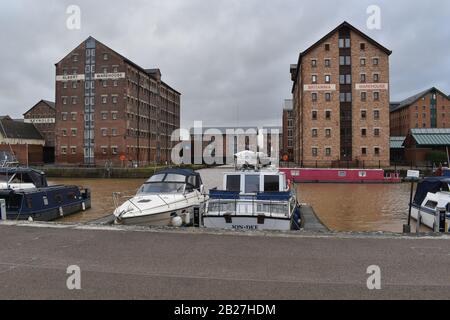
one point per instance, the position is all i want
(24, 175)
(430, 185)
(187, 176)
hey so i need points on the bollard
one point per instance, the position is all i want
(439, 222)
(196, 217)
(2, 210)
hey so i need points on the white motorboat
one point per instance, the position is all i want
(257, 199)
(167, 199)
(432, 194)
(17, 178)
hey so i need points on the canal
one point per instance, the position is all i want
(341, 207)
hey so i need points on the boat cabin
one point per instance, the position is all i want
(173, 181)
(22, 178)
(255, 182)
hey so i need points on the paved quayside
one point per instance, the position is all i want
(127, 263)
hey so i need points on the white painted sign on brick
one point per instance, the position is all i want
(319, 87)
(372, 86)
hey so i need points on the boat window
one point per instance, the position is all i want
(234, 183)
(251, 184)
(271, 183)
(175, 178)
(13, 202)
(58, 198)
(71, 196)
(162, 187)
(157, 178)
(29, 201)
(193, 181)
(431, 204)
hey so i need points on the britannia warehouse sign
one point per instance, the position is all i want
(372, 86)
(319, 87)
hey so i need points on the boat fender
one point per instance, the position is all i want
(177, 222)
(187, 217)
(61, 211)
(83, 206)
(30, 219)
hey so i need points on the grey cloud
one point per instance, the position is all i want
(229, 58)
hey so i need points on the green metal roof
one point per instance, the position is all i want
(397, 142)
(431, 137)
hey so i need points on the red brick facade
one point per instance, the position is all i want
(429, 109)
(110, 110)
(287, 147)
(341, 100)
(43, 116)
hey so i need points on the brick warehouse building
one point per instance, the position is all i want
(110, 110)
(341, 100)
(43, 116)
(429, 109)
(287, 147)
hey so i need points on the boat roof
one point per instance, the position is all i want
(182, 172)
(12, 170)
(431, 184)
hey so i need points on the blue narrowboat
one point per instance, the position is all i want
(43, 202)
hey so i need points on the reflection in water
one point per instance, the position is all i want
(342, 207)
(358, 207)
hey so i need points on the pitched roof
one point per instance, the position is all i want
(146, 71)
(397, 142)
(342, 25)
(11, 129)
(411, 100)
(48, 103)
(431, 137)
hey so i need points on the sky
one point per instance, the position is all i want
(229, 58)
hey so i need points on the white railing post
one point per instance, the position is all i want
(2, 209)
(419, 221)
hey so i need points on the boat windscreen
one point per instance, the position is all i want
(233, 183)
(251, 184)
(157, 178)
(162, 187)
(4, 177)
(271, 183)
(175, 178)
(429, 186)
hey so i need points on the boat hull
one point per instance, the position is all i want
(52, 214)
(428, 217)
(162, 219)
(247, 223)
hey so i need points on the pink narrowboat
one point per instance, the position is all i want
(340, 176)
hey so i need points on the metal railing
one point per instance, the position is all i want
(257, 207)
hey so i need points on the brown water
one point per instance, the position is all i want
(358, 207)
(342, 207)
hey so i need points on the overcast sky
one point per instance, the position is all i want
(229, 58)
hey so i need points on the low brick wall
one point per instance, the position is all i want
(96, 173)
